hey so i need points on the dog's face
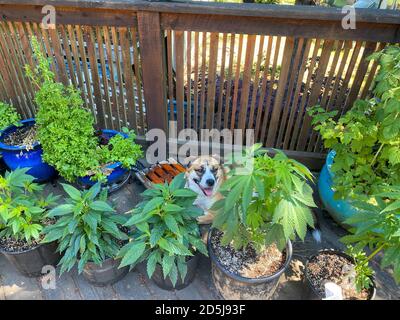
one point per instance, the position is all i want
(205, 175)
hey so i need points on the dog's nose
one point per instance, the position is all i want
(210, 182)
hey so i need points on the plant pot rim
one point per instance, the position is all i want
(91, 263)
(372, 289)
(25, 251)
(7, 147)
(240, 278)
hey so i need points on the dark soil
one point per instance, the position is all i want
(13, 245)
(247, 262)
(102, 138)
(333, 268)
(24, 136)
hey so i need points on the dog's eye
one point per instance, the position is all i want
(214, 169)
(200, 170)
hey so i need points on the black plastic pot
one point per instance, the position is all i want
(231, 286)
(3, 166)
(311, 293)
(30, 262)
(105, 274)
(166, 284)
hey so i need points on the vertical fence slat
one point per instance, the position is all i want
(196, 82)
(264, 83)
(214, 38)
(280, 93)
(256, 83)
(180, 90)
(203, 78)
(79, 71)
(189, 79)
(128, 77)
(153, 62)
(221, 83)
(315, 92)
(138, 75)
(307, 87)
(121, 111)
(229, 80)
(248, 66)
(89, 39)
(236, 83)
(269, 103)
(293, 113)
(87, 79)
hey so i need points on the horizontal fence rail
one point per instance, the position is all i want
(204, 65)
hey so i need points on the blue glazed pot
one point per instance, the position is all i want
(19, 157)
(118, 170)
(340, 210)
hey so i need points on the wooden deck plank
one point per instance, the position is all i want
(14, 286)
(132, 287)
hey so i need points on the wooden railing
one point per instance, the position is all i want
(206, 65)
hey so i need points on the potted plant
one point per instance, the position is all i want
(265, 204)
(341, 269)
(69, 140)
(22, 219)
(378, 228)
(8, 117)
(19, 145)
(364, 142)
(166, 235)
(89, 235)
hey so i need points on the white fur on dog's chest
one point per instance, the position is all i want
(204, 203)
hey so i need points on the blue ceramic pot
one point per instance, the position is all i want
(117, 170)
(19, 157)
(340, 210)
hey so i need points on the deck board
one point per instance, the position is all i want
(137, 286)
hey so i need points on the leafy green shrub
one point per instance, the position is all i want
(87, 228)
(378, 227)
(265, 205)
(8, 116)
(167, 232)
(65, 128)
(22, 209)
(367, 138)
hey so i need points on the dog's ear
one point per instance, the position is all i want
(188, 161)
(218, 158)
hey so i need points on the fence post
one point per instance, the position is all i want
(151, 42)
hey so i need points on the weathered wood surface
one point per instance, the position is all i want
(137, 286)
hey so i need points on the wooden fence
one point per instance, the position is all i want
(205, 65)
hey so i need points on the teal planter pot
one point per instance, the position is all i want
(340, 210)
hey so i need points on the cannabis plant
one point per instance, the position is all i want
(87, 228)
(22, 208)
(167, 232)
(378, 227)
(65, 128)
(266, 200)
(8, 116)
(367, 138)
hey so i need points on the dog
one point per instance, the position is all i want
(204, 176)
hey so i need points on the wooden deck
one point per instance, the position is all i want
(136, 284)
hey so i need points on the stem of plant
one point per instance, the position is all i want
(373, 254)
(376, 154)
